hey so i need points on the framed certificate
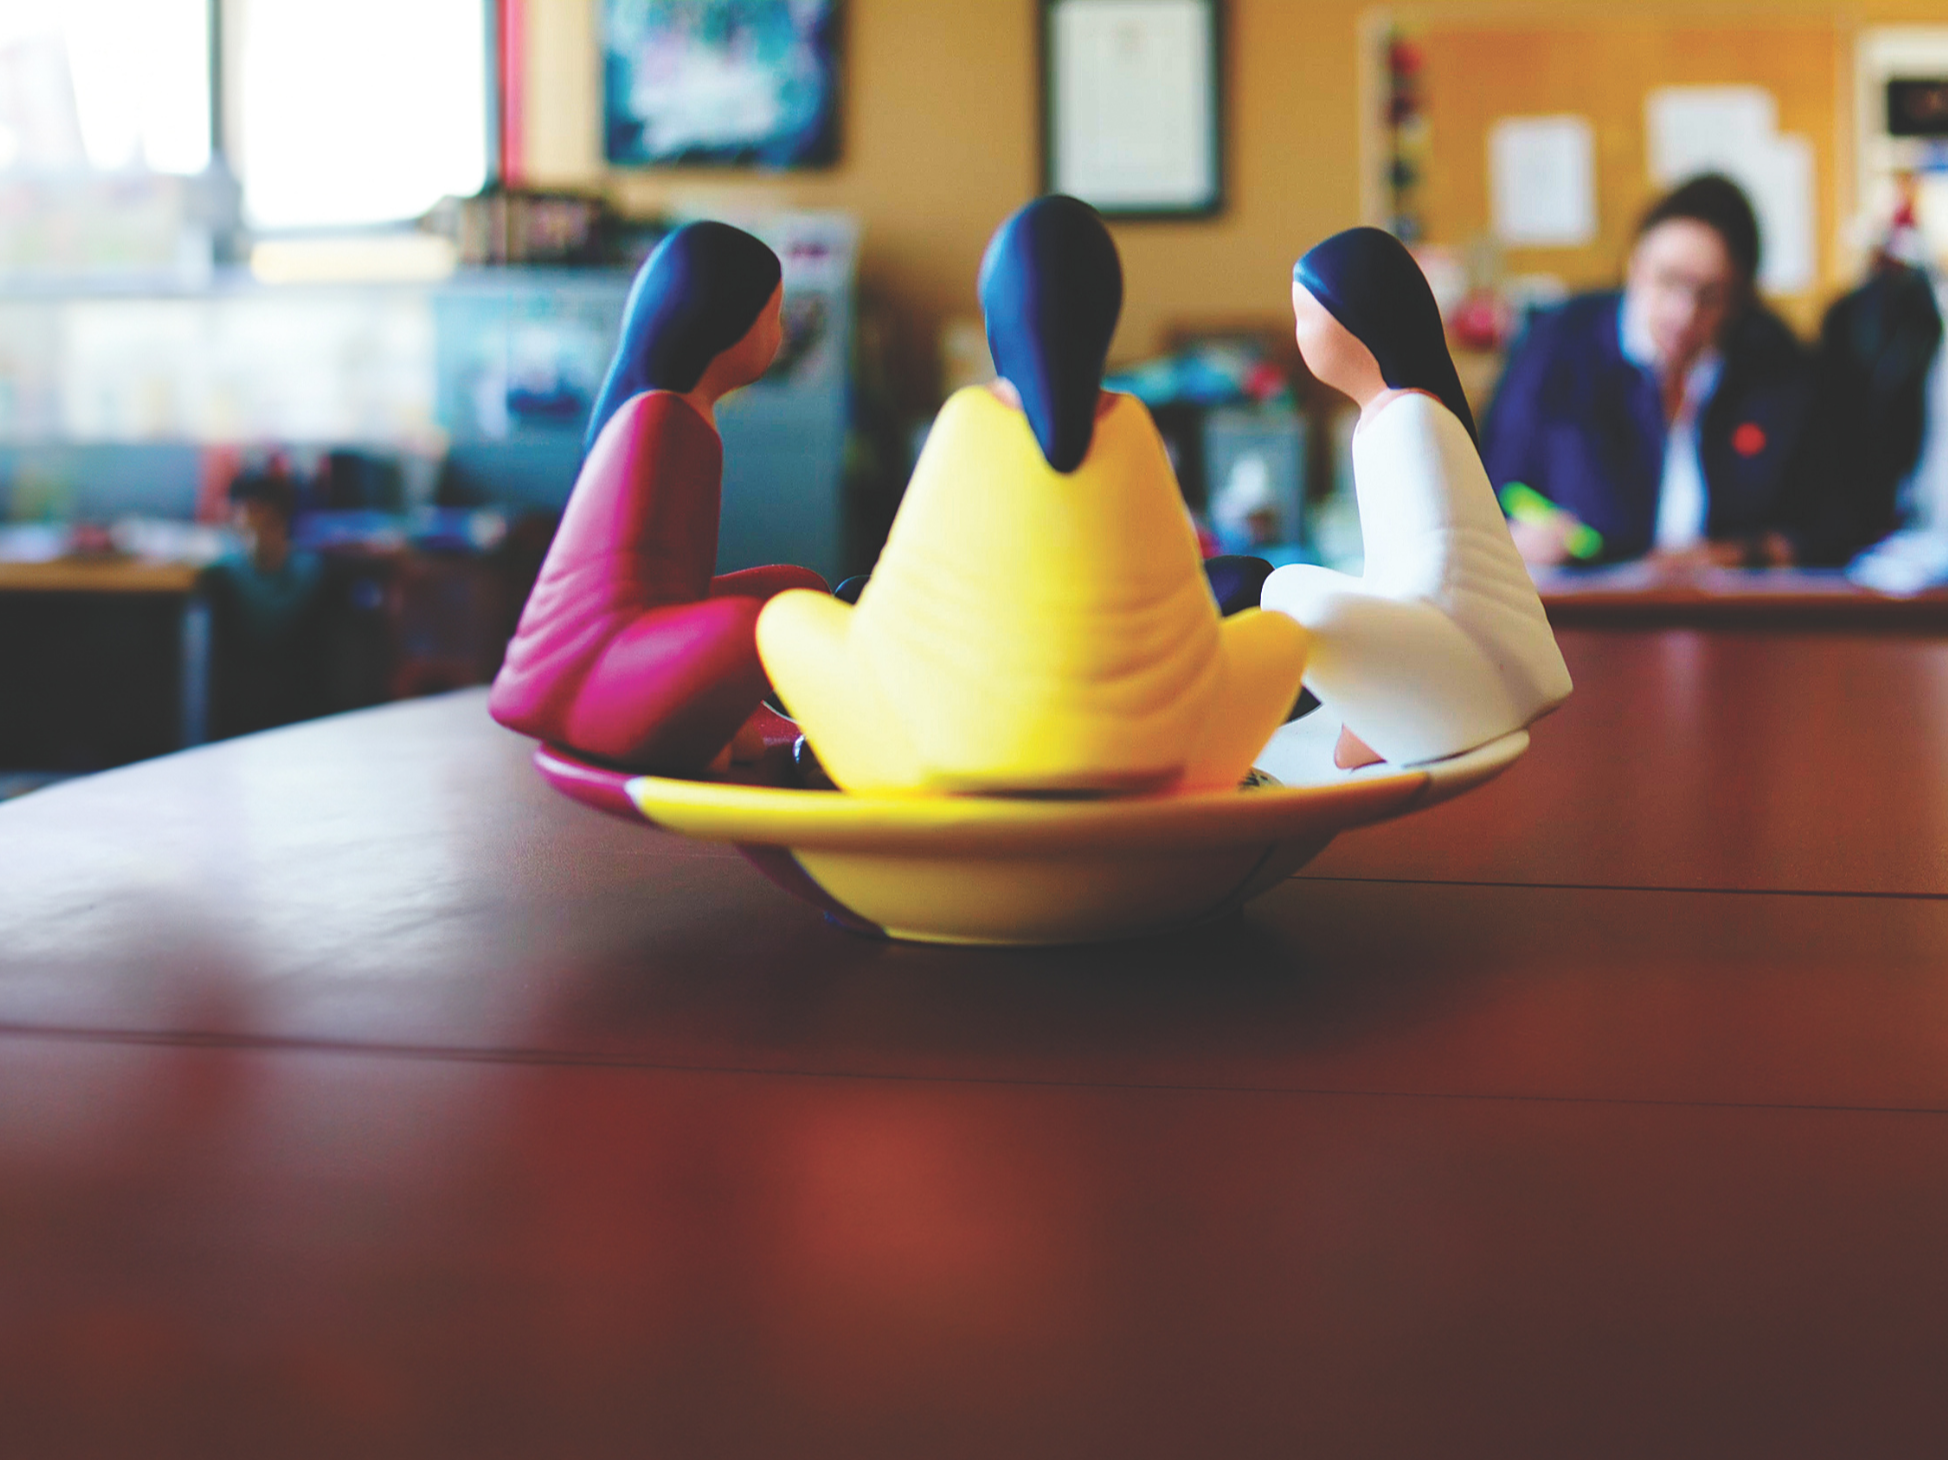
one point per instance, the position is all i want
(1133, 105)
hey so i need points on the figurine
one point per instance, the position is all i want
(1038, 621)
(1442, 645)
(629, 651)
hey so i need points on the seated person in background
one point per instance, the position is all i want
(1038, 620)
(267, 606)
(1663, 416)
(1874, 456)
(629, 651)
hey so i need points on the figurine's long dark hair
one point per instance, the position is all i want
(693, 299)
(1052, 287)
(1368, 281)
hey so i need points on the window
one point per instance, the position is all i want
(104, 86)
(355, 112)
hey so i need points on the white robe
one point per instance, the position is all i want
(1442, 644)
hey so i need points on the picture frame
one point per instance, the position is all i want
(1133, 105)
(721, 83)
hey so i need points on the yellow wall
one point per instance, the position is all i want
(939, 143)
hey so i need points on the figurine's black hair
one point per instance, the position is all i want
(693, 299)
(1721, 205)
(1052, 287)
(1368, 281)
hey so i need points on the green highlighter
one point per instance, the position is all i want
(1526, 505)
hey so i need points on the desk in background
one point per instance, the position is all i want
(1641, 593)
(361, 1094)
(108, 661)
(101, 661)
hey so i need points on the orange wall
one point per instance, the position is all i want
(939, 143)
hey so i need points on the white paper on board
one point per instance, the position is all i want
(1693, 129)
(1542, 180)
(1733, 130)
(1780, 181)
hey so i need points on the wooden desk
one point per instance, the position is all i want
(1640, 594)
(358, 1094)
(97, 576)
(107, 582)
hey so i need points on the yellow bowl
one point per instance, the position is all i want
(1004, 870)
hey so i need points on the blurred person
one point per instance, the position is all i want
(267, 604)
(1873, 464)
(1664, 415)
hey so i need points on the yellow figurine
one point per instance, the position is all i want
(1038, 621)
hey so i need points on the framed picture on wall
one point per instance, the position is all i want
(720, 83)
(1133, 105)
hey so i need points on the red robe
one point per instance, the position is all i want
(628, 650)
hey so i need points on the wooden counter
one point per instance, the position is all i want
(1639, 594)
(98, 576)
(358, 1094)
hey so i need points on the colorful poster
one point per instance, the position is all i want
(721, 83)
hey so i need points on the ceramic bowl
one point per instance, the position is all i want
(1003, 870)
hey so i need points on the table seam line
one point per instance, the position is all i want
(1306, 877)
(595, 1060)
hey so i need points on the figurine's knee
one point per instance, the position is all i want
(801, 638)
(672, 687)
(1308, 593)
(1408, 681)
(1352, 624)
(1263, 656)
(804, 644)
(861, 737)
(766, 582)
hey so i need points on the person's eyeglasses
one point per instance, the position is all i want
(1703, 294)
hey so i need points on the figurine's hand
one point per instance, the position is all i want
(1544, 544)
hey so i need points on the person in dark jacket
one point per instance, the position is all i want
(1663, 415)
(1868, 418)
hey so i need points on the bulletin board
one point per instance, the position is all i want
(1475, 74)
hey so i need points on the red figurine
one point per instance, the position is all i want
(629, 651)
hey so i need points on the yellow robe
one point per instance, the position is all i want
(1030, 631)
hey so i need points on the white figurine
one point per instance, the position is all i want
(1442, 644)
